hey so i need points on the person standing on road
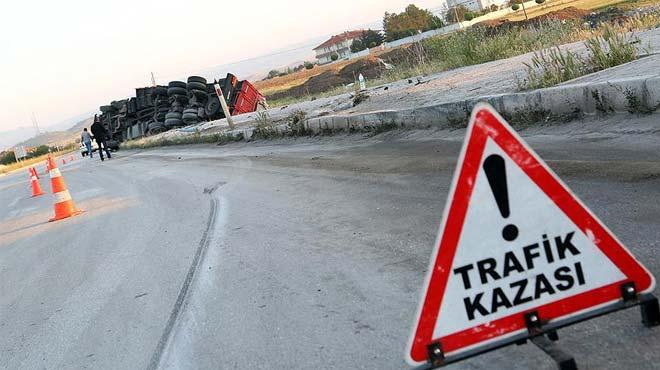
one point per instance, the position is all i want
(86, 139)
(100, 136)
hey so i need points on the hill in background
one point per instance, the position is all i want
(58, 137)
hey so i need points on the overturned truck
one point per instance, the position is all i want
(161, 108)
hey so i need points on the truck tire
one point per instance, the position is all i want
(196, 86)
(156, 127)
(173, 115)
(200, 95)
(180, 84)
(190, 118)
(197, 79)
(213, 107)
(169, 123)
(176, 91)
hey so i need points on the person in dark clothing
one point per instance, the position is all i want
(100, 136)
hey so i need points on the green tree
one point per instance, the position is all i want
(410, 22)
(368, 39)
(272, 74)
(334, 57)
(459, 11)
(40, 150)
(7, 157)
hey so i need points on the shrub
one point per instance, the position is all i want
(611, 49)
(309, 65)
(368, 39)
(334, 57)
(296, 123)
(408, 23)
(456, 14)
(551, 67)
(515, 7)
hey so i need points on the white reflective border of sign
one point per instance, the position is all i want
(535, 216)
(542, 217)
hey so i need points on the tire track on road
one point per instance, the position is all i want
(184, 293)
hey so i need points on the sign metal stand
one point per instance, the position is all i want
(538, 329)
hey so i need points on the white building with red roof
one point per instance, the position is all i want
(337, 44)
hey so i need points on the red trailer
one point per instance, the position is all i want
(245, 99)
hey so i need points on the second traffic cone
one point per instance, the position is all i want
(34, 182)
(64, 206)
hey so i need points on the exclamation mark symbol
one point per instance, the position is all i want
(496, 173)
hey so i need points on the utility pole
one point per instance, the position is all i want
(153, 80)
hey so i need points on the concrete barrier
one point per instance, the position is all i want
(561, 103)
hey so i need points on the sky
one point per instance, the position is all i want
(63, 58)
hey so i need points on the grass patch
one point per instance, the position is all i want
(478, 44)
(553, 66)
(197, 138)
(296, 123)
(557, 5)
(30, 162)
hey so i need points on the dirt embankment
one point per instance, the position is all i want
(570, 13)
(308, 83)
(370, 67)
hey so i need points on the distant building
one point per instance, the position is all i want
(337, 44)
(476, 5)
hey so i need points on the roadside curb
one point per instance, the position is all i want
(563, 103)
(560, 103)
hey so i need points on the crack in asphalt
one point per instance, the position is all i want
(180, 303)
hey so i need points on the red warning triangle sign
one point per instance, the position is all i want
(514, 239)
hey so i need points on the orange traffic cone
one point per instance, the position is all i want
(36, 173)
(64, 206)
(34, 181)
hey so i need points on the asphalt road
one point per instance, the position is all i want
(306, 253)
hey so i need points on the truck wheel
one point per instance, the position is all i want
(213, 107)
(176, 91)
(197, 79)
(173, 115)
(200, 95)
(196, 86)
(173, 122)
(155, 127)
(179, 84)
(190, 119)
